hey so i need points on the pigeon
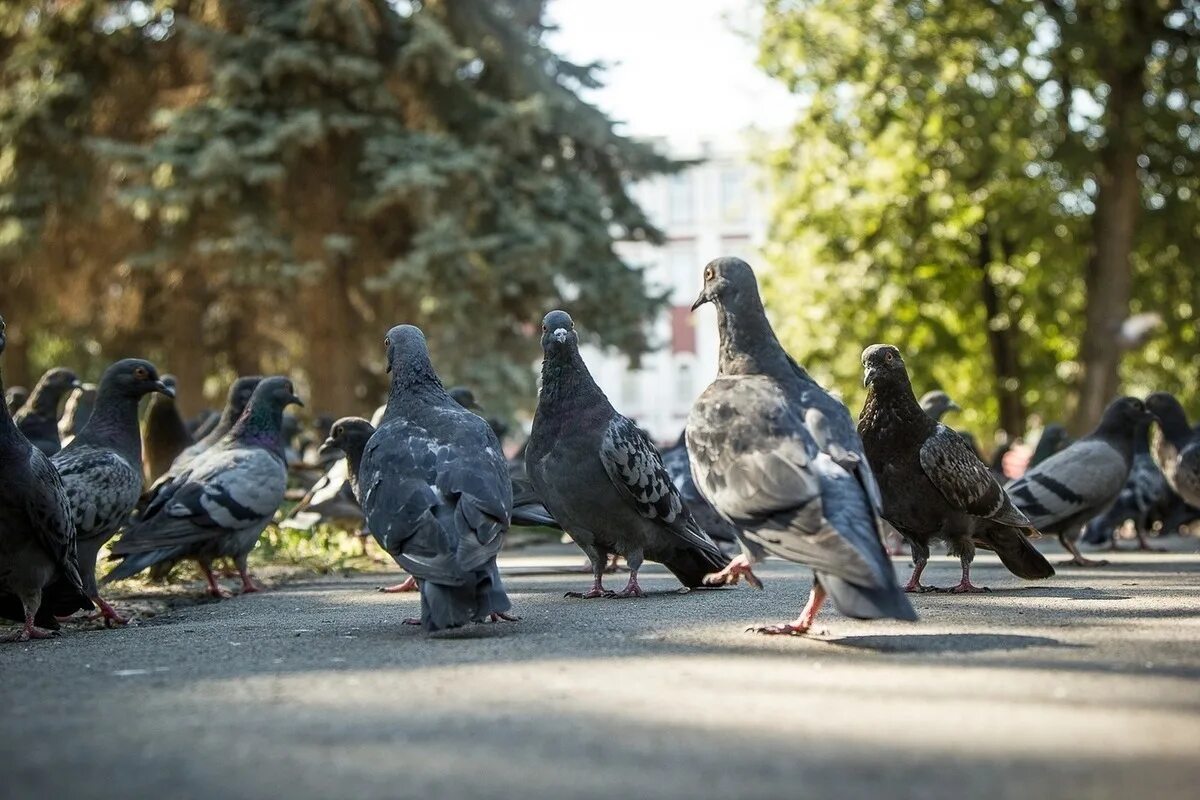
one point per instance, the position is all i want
(679, 467)
(220, 504)
(780, 458)
(936, 404)
(602, 478)
(239, 397)
(203, 423)
(39, 573)
(435, 491)
(38, 418)
(15, 397)
(102, 467)
(164, 434)
(1178, 450)
(933, 484)
(1062, 493)
(1054, 438)
(77, 412)
(1144, 494)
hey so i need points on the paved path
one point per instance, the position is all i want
(1084, 686)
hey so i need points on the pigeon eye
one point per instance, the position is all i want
(141, 374)
(888, 356)
(708, 274)
(543, 327)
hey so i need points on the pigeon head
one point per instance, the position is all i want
(883, 366)
(937, 403)
(1123, 416)
(57, 382)
(348, 434)
(133, 378)
(1170, 415)
(240, 393)
(276, 392)
(170, 381)
(558, 333)
(464, 397)
(728, 283)
(262, 421)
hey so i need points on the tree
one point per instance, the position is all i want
(947, 179)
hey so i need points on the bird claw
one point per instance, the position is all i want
(409, 585)
(628, 591)
(966, 587)
(737, 569)
(107, 613)
(410, 621)
(28, 633)
(220, 592)
(500, 616)
(590, 594)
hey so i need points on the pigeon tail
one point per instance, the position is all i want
(136, 562)
(690, 565)
(867, 602)
(1016, 552)
(444, 607)
(534, 515)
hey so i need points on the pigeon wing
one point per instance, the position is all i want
(969, 486)
(1087, 474)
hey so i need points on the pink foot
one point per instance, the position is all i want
(597, 590)
(29, 631)
(966, 587)
(631, 589)
(107, 613)
(410, 621)
(919, 588)
(738, 568)
(409, 585)
(250, 587)
(500, 616)
(800, 625)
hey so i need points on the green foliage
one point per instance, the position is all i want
(943, 144)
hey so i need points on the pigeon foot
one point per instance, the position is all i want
(919, 588)
(738, 568)
(500, 616)
(410, 621)
(966, 587)
(786, 629)
(29, 631)
(107, 613)
(409, 585)
(631, 589)
(802, 624)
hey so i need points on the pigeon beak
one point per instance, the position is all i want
(162, 388)
(953, 406)
(701, 300)
(560, 336)
(328, 446)
(295, 401)
(868, 376)
(76, 384)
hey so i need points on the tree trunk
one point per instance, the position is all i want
(1109, 274)
(1002, 343)
(331, 344)
(185, 346)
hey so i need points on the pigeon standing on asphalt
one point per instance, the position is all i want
(780, 458)
(679, 467)
(164, 434)
(1062, 493)
(77, 412)
(1178, 450)
(1144, 493)
(15, 397)
(435, 490)
(934, 486)
(602, 478)
(102, 467)
(220, 504)
(38, 418)
(39, 574)
(239, 397)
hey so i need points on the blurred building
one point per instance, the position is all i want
(716, 208)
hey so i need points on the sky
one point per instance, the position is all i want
(683, 69)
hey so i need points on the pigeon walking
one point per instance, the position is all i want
(1062, 493)
(435, 490)
(164, 434)
(1178, 451)
(781, 460)
(602, 478)
(933, 484)
(102, 467)
(39, 574)
(1143, 495)
(38, 418)
(220, 504)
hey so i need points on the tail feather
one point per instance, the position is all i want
(868, 602)
(444, 607)
(136, 562)
(534, 515)
(1016, 552)
(691, 564)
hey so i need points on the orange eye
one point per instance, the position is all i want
(140, 373)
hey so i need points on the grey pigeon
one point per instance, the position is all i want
(602, 478)
(239, 397)
(1178, 450)
(102, 467)
(1062, 493)
(936, 404)
(164, 434)
(435, 490)
(15, 397)
(780, 458)
(38, 418)
(220, 504)
(679, 467)
(39, 574)
(934, 486)
(1142, 497)
(77, 412)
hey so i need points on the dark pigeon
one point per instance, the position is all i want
(780, 458)
(1061, 494)
(934, 486)
(220, 504)
(164, 434)
(39, 574)
(15, 397)
(1053, 439)
(102, 467)
(679, 467)
(239, 397)
(38, 418)
(1141, 498)
(435, 490)
(602, 478)
(1178, 449)
(77, 412)
(203, 424)
(937, 404)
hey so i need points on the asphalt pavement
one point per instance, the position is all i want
(1083, 686)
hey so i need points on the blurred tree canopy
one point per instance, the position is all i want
(993, 187)
(237, 186)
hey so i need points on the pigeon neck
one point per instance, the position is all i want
(44, 401)
(566, 381)
(893, 400)
(1118, 433)
(414, 383)
(114, 424)
(261, 424)
(354, 454)
(748, 343)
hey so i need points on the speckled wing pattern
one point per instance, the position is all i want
(1089, 473)
(50, 513)
(102, 488)
(954, 469)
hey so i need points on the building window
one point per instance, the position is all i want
(685, 391)
(683, 330)
(631, 388)
(680, 199)
(733, 195)
(683, 272)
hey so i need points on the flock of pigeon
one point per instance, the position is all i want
(770, 461)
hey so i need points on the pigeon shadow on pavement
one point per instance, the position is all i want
(947, 643)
